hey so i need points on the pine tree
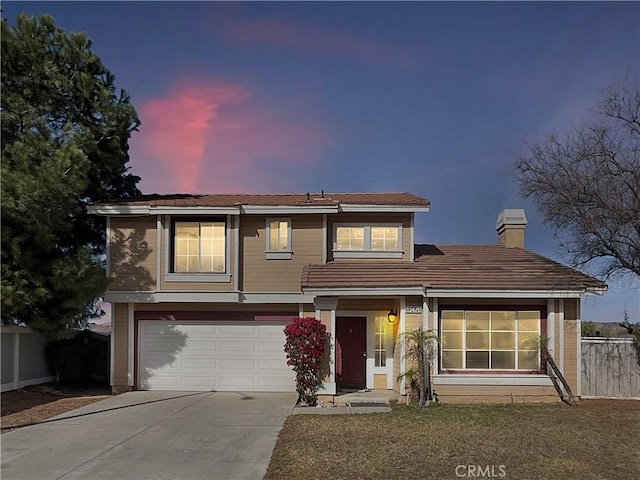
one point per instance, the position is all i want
(65, 133)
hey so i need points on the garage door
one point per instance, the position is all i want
(218, 356)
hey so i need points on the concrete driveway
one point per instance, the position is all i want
(155, 435)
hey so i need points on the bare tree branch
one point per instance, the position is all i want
(587, 185)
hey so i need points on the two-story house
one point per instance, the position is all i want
(203, 285)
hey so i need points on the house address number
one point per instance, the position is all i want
(413, 309)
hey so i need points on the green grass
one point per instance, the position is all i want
(598, 439)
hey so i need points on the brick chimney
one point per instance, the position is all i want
(510, 227)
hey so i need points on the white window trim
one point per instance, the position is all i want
(285, 254)
(195, 277)
(464, 370)
(492, 379)
(367, 252)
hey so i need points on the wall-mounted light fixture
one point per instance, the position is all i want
(392, 316)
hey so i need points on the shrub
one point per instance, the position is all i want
(305, 346)
(72, 360)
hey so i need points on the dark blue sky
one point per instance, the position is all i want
(432, 98)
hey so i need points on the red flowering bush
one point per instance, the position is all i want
(306, 340)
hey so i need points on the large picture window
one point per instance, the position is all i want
(199, 247)
(490, 340)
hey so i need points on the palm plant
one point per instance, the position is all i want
(420, 346)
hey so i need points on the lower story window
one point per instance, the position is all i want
(490, 340)
(381, 341)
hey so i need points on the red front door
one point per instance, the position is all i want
(351, 352)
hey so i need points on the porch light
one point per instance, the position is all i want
(392, 316)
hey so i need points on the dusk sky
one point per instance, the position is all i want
(436, 99)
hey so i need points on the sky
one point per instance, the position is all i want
(433, 98)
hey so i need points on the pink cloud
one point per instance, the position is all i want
(316, 40)
(218, 138)
(174, 129)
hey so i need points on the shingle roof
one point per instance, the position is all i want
(474, 267)
(287, 199)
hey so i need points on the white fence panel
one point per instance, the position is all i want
(610, 368)
(23, 358)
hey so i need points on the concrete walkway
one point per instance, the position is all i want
(153, 435)
(365, 401)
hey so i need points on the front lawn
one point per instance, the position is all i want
(598, 439)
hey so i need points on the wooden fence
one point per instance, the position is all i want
(23, 358)
(610, 368)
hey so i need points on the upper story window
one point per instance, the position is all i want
(198, 250)
(490, 340)
(279, 239)
(385, 238)
(367, 241)
(200, 247)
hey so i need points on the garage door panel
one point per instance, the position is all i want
(267, 347)
(242, 364)
(265, 364)
(247, 346)
(198, 364)
(238, 329)
(201, 345)
(200, 382)
(159, 363)
(213, 356)
(267, 331)
(165, 382)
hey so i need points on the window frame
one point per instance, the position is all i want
(542, 331)
(367, 251)
(282, 254)
(206, 277)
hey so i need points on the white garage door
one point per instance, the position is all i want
(213, 356)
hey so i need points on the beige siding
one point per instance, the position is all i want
(413, 321)
(308, 310)
(133, 253)
(380, 381)
(166, 265)
(402, 218)
(494, 394)
(571, 333)
(262, 275)
(120, 332)
(367, 304)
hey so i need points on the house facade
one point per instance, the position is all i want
(203, 285)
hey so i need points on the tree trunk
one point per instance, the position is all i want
(421, 378)
(558, 375)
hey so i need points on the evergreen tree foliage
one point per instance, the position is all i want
(65, 132)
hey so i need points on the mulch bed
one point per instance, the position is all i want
(36, 403)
